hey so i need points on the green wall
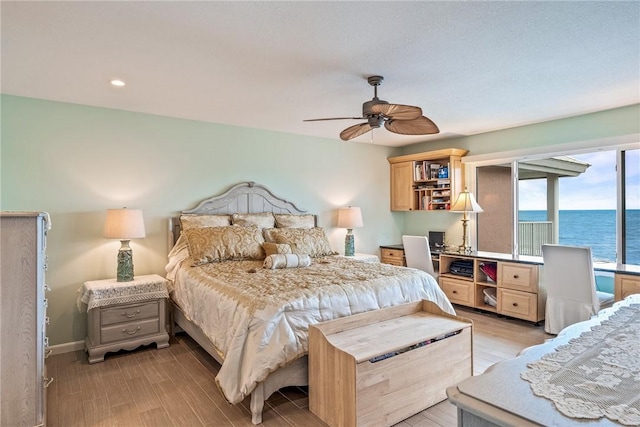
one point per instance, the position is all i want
(76, 161)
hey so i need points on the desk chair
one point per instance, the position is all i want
(418, 255)
(571, 287)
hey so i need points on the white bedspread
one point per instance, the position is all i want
(258, 319)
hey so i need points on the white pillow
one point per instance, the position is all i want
(286, 261)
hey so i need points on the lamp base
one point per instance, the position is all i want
(349, 245)
(125, 263)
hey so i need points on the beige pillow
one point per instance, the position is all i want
(212, 244)
(311, 241)
(276, 248)
(295, 221)
(260, 220)
(188, 221)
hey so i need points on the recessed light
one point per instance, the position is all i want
(116, 82)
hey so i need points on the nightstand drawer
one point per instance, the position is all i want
(129, 312)
(522, 305)
(129, 330)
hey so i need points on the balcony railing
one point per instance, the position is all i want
(532, 235)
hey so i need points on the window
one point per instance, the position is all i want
(587, 199)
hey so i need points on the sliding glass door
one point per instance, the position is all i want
(630, 205)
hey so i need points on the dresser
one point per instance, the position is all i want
(23, 318)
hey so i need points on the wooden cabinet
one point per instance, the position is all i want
(418, 181)
(380, 367)
(23, 338)
(516, 292)
(393, 256)
(625, 285)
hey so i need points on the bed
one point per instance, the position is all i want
(588, 375)
(254, 320)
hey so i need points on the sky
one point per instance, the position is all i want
(594, 189)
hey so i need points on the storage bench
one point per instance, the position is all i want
(380, 367)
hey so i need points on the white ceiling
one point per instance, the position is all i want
(471, 66)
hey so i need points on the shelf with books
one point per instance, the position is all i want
(426, 181)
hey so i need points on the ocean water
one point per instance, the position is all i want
(597, 229)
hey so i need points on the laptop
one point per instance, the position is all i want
(436, 242)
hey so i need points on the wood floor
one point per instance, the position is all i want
(175, 386)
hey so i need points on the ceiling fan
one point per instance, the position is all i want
(397, 118)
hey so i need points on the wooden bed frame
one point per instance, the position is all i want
(246, 197)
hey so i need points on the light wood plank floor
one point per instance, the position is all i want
(175, 386)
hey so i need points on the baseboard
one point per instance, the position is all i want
(66, 347)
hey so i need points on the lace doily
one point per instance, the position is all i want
(101, 293)
(596, 374)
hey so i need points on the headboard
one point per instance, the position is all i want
(246, 197)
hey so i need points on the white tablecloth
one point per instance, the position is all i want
(100, 293)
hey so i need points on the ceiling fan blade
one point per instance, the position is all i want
(397, 111)
(355, 131)
(335, 118)
(419, 126)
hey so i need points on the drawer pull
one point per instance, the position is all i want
(454, 292)
(47, 353)
(132, 314)
(131, 332)
(515, 276)
(47, 382)
(515, 304)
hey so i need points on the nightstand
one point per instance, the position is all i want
(363, 257)
(124, 315)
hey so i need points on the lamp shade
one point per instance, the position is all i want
(466, 203)
(350, 217)
(124, 224)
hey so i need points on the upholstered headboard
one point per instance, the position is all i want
(246, 197)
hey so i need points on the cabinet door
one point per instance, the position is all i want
(392, 256)
(458, 291)
(626, 285)
(522, 305)
(521, 277)
(402, 186)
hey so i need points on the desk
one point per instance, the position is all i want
(626, 281)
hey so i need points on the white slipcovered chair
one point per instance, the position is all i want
(418, 255)
(569, 280)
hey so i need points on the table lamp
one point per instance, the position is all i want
(466, 203)
(124, 224)
(349, 218)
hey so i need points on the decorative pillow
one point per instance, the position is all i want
(276, 248)
(188, 221)
(286, 261)
(269, 234)
(295, 221)
(260, 220)
(213, 244)
(310, 241)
